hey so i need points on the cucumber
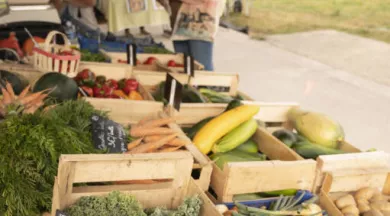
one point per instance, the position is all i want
(248, 146)
(236, 137)
(194, 129)
(311, 151)
(191, 95)
(286, 136)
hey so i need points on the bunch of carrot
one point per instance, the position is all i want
(26, 102)
(154, 135)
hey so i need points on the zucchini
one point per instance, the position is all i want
(236, 137)
(235, 156)
(248, 146)
(194, 129)
(215, 97)
(286, 136)
(310, 150)
(191, 95)
(233, 104)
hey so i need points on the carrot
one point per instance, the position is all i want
(158, 122)
(144, 120)
(6, 97)
(140, 131)
(170, 149)
(177, 142)
(10, 90)
(152, 146)
(134, 144)
(24, 92)
(152, 138)
(30, 97)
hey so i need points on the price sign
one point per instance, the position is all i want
(173, 91)
(107, 134)
(131, 51)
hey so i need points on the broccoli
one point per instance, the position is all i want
(115, 204)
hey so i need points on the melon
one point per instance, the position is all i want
(17, 82)
(63, 87)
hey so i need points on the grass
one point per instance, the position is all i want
(368, 18)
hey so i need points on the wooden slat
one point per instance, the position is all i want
(250, 177)
(272, 112)
(111, 71)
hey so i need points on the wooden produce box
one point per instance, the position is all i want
(189, 112)
(134, 111)
(116, 72)
(163, 59)
(285, 169)
(342, 182)
(347, 162)
(26, 71)
(174, 168)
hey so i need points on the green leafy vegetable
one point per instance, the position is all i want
(92, 57)
(190, 207)
(30, 146)
(115, 204)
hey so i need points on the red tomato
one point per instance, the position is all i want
(150, 60)
(171, 63)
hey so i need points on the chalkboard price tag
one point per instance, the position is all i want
(173, 91)
(61, 213)
(189, 65)
(107, 134)
(131, 51)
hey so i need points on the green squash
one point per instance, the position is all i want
(63, 87)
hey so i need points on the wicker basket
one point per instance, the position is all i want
(47, 59)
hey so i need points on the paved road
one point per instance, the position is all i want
(282, 69)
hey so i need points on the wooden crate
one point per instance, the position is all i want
(134, 111)
(262, 176)
(142, 57)
(341, 182)
(193, 111)
(26, 71)
(117, 72)
(346, 162)
(175, 167)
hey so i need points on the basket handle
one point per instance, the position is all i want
(50, 38)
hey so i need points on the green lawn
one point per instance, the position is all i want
(369, 18)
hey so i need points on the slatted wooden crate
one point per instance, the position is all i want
(174, 168)
(163, 59)
(190, 111)
(341, 182)
(347, 162)
(134, 111)
(250, 177)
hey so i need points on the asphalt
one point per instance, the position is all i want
(342, 75)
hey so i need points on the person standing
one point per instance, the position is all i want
(194, 24)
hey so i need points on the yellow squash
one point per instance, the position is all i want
(221, 125)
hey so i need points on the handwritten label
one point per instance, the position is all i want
(107, 134)
(173, 91)
(61, 213)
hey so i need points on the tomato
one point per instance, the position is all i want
(112, 83)
(171, 63)
(150, 60)
(86, 78)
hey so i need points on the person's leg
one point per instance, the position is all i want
(202, 51)
(182, 47)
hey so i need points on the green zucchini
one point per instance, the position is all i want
(235, 156)
(286, 136)
(191, 95)
(309, 150)
(248, 146)
(194, 129)
(233, 104)
(215, 97)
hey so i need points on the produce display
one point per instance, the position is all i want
(228, 135)
(300, 204)
(316, 134)
(120, 204)
(193, 95)
(366, 201)
(18, 83)
(101, 87)
(154, 135)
